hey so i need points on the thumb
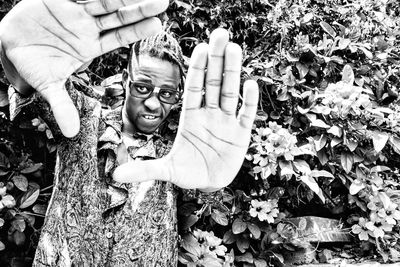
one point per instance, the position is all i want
(140, 171)
(64, 110)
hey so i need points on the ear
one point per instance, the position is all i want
(125, 76)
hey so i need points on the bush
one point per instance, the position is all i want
(325, 141)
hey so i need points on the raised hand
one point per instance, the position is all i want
(45, 41)
(212, 140)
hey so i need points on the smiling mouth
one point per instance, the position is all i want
(150, 117)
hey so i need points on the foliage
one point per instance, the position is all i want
(326, 140)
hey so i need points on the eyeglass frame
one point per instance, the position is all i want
(155, 89)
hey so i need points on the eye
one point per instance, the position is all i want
(142, 88)
(166, 94)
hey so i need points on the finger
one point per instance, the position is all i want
(231, 81)
(140, 171)
(102, 7)
(218, 40)
(63, 109)
(195, 77)
(126, 35)
(248, 111)
(130, 14)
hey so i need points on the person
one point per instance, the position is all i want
(111, 206)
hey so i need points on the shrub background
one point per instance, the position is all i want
(326, 141)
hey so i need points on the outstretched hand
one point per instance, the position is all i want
(45, 41)
(212, 140)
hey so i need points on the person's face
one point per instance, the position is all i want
(145, 114)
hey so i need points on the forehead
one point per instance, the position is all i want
(158, 71)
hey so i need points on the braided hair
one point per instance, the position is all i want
(163, 46)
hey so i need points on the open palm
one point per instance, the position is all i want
(212, 140)
(45, 41)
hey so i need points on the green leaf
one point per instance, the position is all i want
(4, 162)
(254, 230)
(379, 139)
(219, 217)
(21, 182)
(2, 246)
(385, 199)
(322, 156)
(260, 263)
(3, 98)
(40, 209)
(395, 142)
(320, 124)
(238, 226)
(347, 160)
(29, 198)
(348, 74)
(1, 222)
(328, 28)
(302, 224)
(186, 222)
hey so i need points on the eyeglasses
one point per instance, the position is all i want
(144, 90)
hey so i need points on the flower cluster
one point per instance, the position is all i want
(345, 99)
(271, 143)
(6, 200)
(264, 210)
(208, 251)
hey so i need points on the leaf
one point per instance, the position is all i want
(320, 143)
(322, 173)
(19, 224)
(238, 226)
(8, 201)
(328, 28)
(260, 263)
(21, 182)
(336, 131)
(40, 209)
(320, 124)
(395, 142)
(322, 156)
(352, 145)
(219, 217)
(187, 209)
(303, 70)
(348, 74)
(347, 160)
(3, 98)
(356, 186)
(385, 199)
(229, 238)
(254, 230)
(32, 168)
(302, 166)
(302, 224)
(2, 246)
(379, 139)
(29, 198)
(312, 184)
(4, 162)
(286, 168)
(335, 141)
(191, 245)
(186, 222)
(242, 244)
(247, 257)
(1, 222)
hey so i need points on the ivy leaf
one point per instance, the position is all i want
(395, 142)
(302, 166)
(254, 230)
(347, 160)
(322, 156)
(348, 74)
(379, 139)
(328, 28)
(2, 246)
(320, 142)
(238, 226)
(219, 217)
(21, 182)
(40, 209)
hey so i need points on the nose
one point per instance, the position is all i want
(152, 103)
